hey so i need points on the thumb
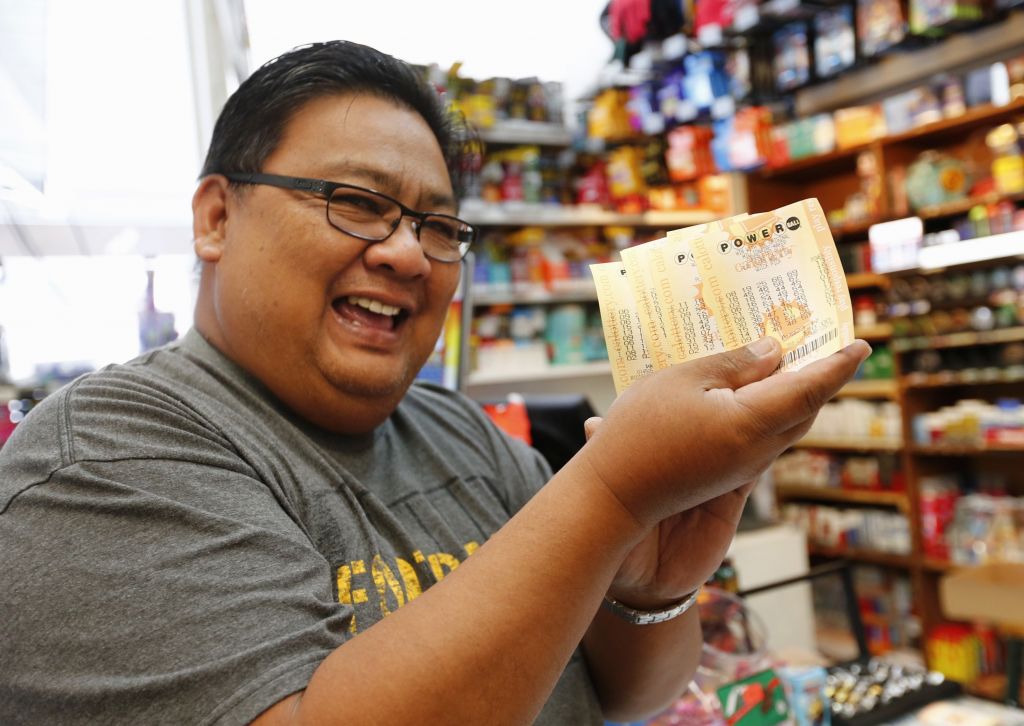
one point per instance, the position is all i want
(590, 426)
(736, 368)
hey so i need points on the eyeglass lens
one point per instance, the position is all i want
(372, 217)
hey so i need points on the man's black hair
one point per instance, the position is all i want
(253, 120)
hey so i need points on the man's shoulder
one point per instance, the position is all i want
(110, 408)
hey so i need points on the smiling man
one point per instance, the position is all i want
(271, 522)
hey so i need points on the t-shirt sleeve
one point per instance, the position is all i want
(165, 586)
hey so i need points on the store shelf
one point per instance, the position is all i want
(945, 379)
(553, 215)
(959, 340)
(818, 165)
(827, 163)
(843, 496)
(930, 564)
(485, 296)
(878, 331)
(859, 555)
(551, 373)
(956, 127)
(526, 132)
(953, 209)
(866, 280)
(965, 450)
(866, 444)
(854, 229)
(886, 389)
(979, 249)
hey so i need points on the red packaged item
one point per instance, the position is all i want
(689, 153)
(592, 186)
(511, 417)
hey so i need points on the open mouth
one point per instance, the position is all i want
(369, 312)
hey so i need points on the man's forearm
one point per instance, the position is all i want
(641, 669)
(491, 638)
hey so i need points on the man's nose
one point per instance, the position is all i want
(400, 252)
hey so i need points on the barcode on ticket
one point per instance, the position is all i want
(808, 348)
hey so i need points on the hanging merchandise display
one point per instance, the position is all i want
(881, 25)
(792, 56)
(835, 41)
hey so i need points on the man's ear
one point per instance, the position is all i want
(209, 217)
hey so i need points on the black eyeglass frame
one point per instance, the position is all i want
(326, 189)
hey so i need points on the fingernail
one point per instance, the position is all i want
(763, 347)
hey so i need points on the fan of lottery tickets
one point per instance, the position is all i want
(721, 285)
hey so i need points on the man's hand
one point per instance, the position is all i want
(681, 552)
(682, 449)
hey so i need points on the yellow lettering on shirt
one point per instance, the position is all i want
(386, 581)
(441, 563)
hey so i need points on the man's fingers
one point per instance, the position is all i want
(590, 426)
(736, 368)
(786, 400)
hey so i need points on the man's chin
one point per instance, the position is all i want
(376, 384)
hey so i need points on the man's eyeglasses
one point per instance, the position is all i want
(373, 217)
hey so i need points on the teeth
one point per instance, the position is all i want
(374, 306)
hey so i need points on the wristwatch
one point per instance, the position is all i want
(649, 617)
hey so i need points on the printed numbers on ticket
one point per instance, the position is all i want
(778, 274)
(623, 333)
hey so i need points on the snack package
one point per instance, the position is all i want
(722, 285)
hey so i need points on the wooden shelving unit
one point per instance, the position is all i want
(832, 178)
(866, 445)
(879, 389)
(804, 493)
(870, 557)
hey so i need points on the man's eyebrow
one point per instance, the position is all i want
(387, 183)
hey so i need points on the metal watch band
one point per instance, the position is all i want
(649, 617)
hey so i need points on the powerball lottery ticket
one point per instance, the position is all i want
(721, 285)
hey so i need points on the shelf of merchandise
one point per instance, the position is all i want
(952, 450)
(497, 296)
(958, 125)
(959, 340)
(857, 228)
(551, 373)
(866, 281)
(865, 444)
(963, 206)
(870, 557)
(868, 389)
(536, 133)
(554, 215)
(946, 379)
(876, 332)
(832, 178)
(803, 492)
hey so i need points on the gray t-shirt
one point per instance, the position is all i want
(176, 547)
